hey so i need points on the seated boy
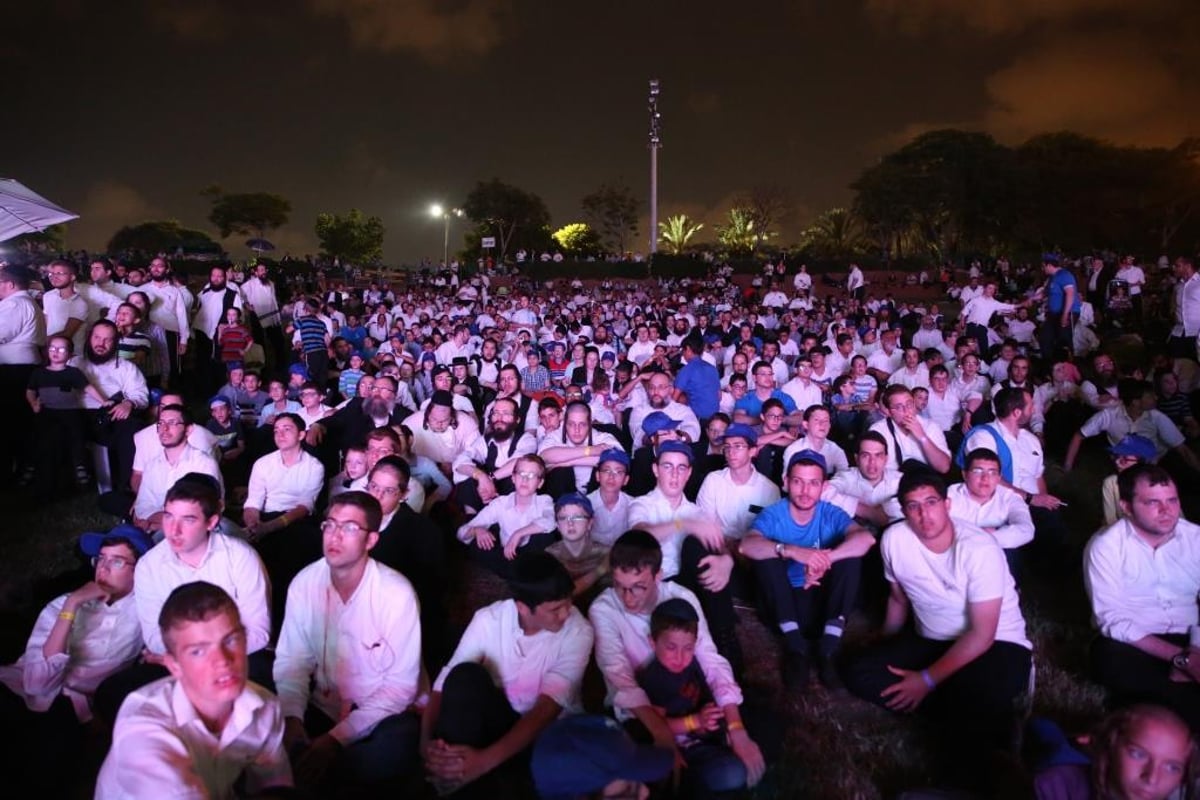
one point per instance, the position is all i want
(678, 690)
(519, 665)
(585, 559)
(195, 733)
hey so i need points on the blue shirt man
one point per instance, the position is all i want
(699, 380)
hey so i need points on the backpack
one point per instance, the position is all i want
(1006, 461)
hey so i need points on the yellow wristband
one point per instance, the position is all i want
(587, 451)
(736, 725)
(678, 525)
(69, 616)
(689, 723)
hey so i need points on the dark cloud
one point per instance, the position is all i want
(433, 30)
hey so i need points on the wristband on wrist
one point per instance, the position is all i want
(736, 725)
(678, 524)
(69, 616)
(930, 683)
(689, 723)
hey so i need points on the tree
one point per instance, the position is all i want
(249, 214)
(162, 236)
(766, 204)
(677, 231)
(50, 241)
(578, 239)
(515, 216)
(352, 237)
(613, 211)
(835, 234)
(738, 235)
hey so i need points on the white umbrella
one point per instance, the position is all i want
(23, 210)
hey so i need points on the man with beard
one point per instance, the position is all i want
(214, 299)
(483, 470)
(573, 451)
(357, 418)
(443, 381)
(259, 293)
(113, 426)
(170, 310)
(660, 392)
(440, 433)
(508, 385)
(1101, 391)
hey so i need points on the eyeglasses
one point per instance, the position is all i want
(56, 349)
(344, 528)
(114, 563)
(528, 476)
(574, 519)
(773, 416)
(169, 423)
(735, 446)
(612, 471)
(386, 491)
(980, 472)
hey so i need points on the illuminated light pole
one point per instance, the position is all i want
(437, 211)
(655, 143)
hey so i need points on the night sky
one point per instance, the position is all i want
(123, 112)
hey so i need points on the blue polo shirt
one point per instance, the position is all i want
(701, 382)
(1056, 292)
(753, 406)
(826, 529)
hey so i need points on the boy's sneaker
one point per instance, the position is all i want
(795, 670)
(82, 476)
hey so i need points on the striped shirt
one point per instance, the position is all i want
(312, 333)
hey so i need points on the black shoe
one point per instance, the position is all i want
(828, 674)
(795, 670)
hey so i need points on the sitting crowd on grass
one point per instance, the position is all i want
(305, 488)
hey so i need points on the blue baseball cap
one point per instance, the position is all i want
(675, 446)
(740, 430)
(614, 454)
(582, 754)
(575, 499)
(657, 422)
(1135, 445)
(811, 456)
(91, 543)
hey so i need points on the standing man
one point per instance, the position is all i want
(967, 662)
(979, 311)
(698, 384)
(169, 309)
(1062, 309)
(807, 557)
(260, 296)
(348, 662)
(22, 337)
(856, 284)
(66, 310)
(1187, 309)
(214, 300)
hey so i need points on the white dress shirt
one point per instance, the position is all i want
(609, 523)
(623, 646)
(676, 411)
(655, 508)
(111, 377)
(909, 446)
(22, 330)
(162, 748)
(503, 510)
(1026, 450)
(526, 667)
(361, 657)
(1115, 423)
(276, 487)
(103, 639)
(835, 456)
(442, 447)
(599, 442)
(1187, 307)
(941, 586)
(229, 563)
(261, 298)
(60, 310)
(853, 483)
(168, 308)
(913, 379)
(803, 394)
(1138, 590)
(733, 504)
(475, 453)
(146, 444)
(1005, 511)
(160, 475)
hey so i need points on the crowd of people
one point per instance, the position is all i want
(301, 473)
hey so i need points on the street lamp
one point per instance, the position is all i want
(655, 143)
(436, 210)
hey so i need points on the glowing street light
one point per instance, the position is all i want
(437, 211)
(655, 144)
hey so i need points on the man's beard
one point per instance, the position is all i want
(500, 431)
(377, 407)
(658, 403)
(94, 358)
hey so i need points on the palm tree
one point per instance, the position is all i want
(739, 234)
(836, 233)
(677, 231)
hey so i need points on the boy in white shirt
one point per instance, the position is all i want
(523, 519)
(519, 665)
(195, 733)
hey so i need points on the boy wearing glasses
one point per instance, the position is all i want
(983, 501)
(523, 519)
(175, 458)
(79, 639)
(348, 662)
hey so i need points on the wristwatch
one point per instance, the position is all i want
(779, 548)
(1181, 660)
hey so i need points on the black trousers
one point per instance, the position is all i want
(1132, 676)
(117, 436)
(466, 493)
(18, 416)
(806, 610)
(44, 754)
(979, 703)
(497, 562)
(284, 553)
(172, 381)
